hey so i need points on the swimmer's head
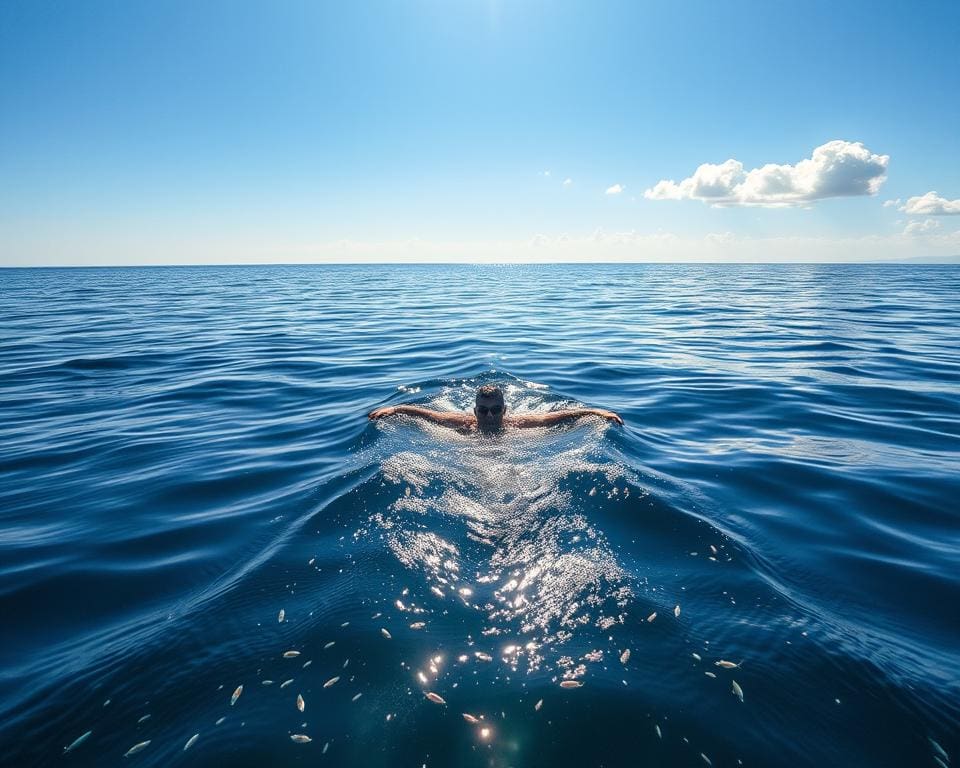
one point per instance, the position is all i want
(490, 408)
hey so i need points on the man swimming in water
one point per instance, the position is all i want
(490, 414)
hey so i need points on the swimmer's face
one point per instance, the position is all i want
(489, 411)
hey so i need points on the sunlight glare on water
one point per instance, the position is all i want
(536, 571)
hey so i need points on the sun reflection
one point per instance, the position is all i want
(507, 514)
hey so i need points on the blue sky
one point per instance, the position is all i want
(169, 132)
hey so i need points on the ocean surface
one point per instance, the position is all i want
(199, 524)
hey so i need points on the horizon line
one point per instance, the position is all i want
(953, 260)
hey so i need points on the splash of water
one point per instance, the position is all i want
(492, 525)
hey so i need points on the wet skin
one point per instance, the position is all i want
(489, 416)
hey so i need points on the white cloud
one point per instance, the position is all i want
(931, 204)
(568, 182)
(545, 174)
(616, 189)
(921, 227)
(835, 169)
(891, 203)
(720, 238)
(538, 240)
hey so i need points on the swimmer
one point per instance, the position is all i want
(490, 414)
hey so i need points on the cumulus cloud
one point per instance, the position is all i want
(616, 189)
(931, 204)
(891, 203)
(567, 182)
(921, 227)
(835, 169)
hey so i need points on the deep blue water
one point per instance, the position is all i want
(184, 452)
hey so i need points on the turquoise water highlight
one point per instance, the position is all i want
(185, 453)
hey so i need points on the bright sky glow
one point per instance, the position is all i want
(479, 130)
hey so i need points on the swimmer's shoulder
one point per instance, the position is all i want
(523, 421)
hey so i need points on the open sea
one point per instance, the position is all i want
(210, 557)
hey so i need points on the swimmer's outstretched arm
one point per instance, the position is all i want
(437, 417)
(555, 417)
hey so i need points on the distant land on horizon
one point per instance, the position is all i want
(954, 259)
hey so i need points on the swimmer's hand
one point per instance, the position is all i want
(609, 415)
(379, 413)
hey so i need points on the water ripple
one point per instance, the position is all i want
(184, 453)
